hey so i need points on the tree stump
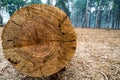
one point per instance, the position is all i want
(39, 40)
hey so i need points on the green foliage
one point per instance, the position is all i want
(114, 6)
(35, 2)
(97, 1)
(80, 5)
(48, 2)
(13, 5)
(62, 5)
(2, 3)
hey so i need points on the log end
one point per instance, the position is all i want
(39, 40)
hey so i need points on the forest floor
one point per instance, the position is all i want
(97, 57)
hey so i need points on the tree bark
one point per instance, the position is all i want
(108, 17)
(90, 15)
(1, 20)
(50, 2)
(86, 15)
(98, 15)
(39, 40)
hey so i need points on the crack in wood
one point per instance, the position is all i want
(63, 33)
(41, 72)
(13, 62)
(73, 47)
(50, 10)
(64, 41)
(16, 23)
(34, 8)
(9, 40)
(37, 37)
(21, 39)
(26, 62)
(28, 10)
(71, 41)
(23, 66)
(32, 63)
(33, 12)
(62, 21)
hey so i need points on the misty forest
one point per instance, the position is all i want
(83, 13)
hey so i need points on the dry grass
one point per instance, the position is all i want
(97, 58)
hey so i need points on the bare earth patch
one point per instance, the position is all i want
(97, 58)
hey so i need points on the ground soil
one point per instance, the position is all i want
(97, 57)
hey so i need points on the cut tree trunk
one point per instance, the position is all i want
(39, 40)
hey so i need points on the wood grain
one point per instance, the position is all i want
(39, 40)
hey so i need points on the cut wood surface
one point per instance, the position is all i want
(39, 40)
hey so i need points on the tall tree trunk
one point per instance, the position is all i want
(113, 21)
(86, 15)
(90, 15)
(116, 23)
(119, 23)
(118, 19)
(1, 20)
(76, 19)
(90, 20)
(50, 2)
(98, 15)
(80, 18)
(108, 17)
(72, 14)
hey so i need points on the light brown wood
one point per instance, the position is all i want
(39, 40)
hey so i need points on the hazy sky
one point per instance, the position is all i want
(44, 1)
(5, 15)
